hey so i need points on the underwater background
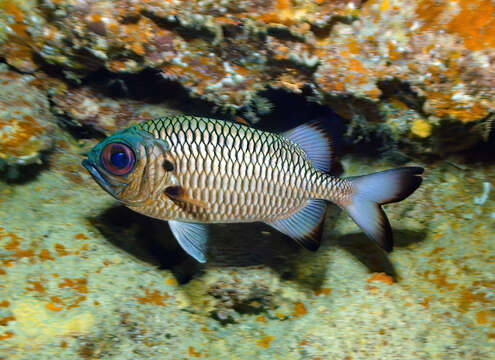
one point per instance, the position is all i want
(397, 82)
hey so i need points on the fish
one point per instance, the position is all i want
(192, 171)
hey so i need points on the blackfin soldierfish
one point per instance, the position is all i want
(192, 171)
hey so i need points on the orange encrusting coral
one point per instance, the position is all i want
(442, 49)
(18, 48)
(19, 136)
(4, 321)
(6, 335)
(382, 277)
(53, 307)
(78, 284)
(299, 309)
(322, 291)
(60, 249)
(193, 352)
(212, 77)
(24, 119)
(440, 104)
(265, 341)
(45, 255)
(152, 297)
(472, 20)
(37, 286)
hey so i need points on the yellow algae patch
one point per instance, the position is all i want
(38, 325)
(384, 5)
(421, 128)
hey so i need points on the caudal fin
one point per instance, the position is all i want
(371, 191)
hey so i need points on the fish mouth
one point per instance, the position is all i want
(113, 187)
(99, 177)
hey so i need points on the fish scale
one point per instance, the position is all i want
(191, 170)
(277, 186)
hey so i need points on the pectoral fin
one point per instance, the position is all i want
(177, 194)
(192, 237)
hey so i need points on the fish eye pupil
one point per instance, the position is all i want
(119, 159)
(168, 165)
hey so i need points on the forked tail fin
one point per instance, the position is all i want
(371, 191)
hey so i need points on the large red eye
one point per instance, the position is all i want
(117, 158)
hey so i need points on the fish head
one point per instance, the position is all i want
(128, 165)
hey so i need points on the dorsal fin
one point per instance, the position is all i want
(314, 140)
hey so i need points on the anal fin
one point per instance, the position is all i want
(305, 225)
(192, 237)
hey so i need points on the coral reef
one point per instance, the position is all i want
(84, 106)
(25, 119)
(430, 61)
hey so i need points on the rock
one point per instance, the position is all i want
(420, 72)
(25, 119)
(86, 107)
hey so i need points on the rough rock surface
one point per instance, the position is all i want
(85, 106)
(25, 119)
(421, 72)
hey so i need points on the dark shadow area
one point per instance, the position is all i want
(79, 131)
(371, 255)
(364, 132)
(187, 32)
(248, 244)
(290, 110)
(402, 91)
(22, 174)
(145, 238)
(484, 152)
(151, 87)
(238, 245)
(251, 244)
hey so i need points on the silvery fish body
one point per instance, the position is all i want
(191, 171)
(239, 173)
